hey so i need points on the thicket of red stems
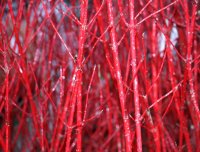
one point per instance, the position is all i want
(99, 75)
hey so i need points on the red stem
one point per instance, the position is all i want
(114, 49)
(135, 77)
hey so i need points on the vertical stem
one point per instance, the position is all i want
(135, 81)
(190, 24)
(154, 129)
(7, 121)
(177, 102)
(71, 117)
(101, 25)
(190, 31)
(42, 130)
(78, 72)
(79, 118)
(127, 131)
(155, 88)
